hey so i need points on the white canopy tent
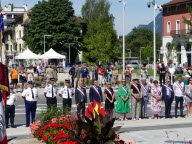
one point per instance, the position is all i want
(27, 54)
(51, 54)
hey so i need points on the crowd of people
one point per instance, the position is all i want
(133, 94)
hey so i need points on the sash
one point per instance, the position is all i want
(81, 91)
(142, 86)
(110, 93)
(124, 90)
(180, 87)
(136, 88)
(154, 88)
(169, 88)
(95, 89)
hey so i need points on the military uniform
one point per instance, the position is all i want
(51, 93)
(10, 109)
(30, 95)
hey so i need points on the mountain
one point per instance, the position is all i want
(150, 25)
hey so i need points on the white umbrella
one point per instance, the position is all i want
(51, 54)
(27, 54)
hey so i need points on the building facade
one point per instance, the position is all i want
(176, 39)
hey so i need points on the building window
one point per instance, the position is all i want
(168, 9)
(11, 48)
(178, 27)
(188, 28)
(168, 27)
(19, 47)
(178, 8)
(19, 34)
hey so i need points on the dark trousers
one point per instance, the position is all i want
(172, 78)
(162, 78)
(72, 79)
(51, 103)
(168, 104)
(67, 103)
(177, 101)
(10, 114)
(30, 108)
(81, 109)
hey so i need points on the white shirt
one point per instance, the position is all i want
(177, 90)
(11, 98)
(48, 90)
(63, 91)
(171, 71)
(27, 94)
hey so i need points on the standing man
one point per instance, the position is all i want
(101, 73)
(41, 73)
(30, 96)
(49, 73)
(72, 74)
(80, 99)
(136, 99)
(14, 76)
(84, 75)
(171, 72)
(145, 97)
(50, 93)
(30, 74)
(10, 108)
(77, 75)
(168, 96)
(95, 93)
(178, 88)
(66, 93)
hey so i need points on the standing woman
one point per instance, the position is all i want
(188, 98)
(123, 105)
(109, 101)
(22, 78)
(156, 99)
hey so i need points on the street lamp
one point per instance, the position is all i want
(140, 54)
(69, 50)
(44, 40)
(149, 4)
(129, 53)
(124, 4)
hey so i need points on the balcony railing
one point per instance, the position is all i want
(181, 32)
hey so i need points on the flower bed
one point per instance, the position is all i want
(95, 128)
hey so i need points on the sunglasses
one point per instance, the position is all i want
(168, 81)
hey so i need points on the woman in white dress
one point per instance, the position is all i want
(188, 98)
(156, 99)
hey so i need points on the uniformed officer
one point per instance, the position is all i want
(80, 99)
(10, 108)
(50, 93)
(66, 93)
(30, 96)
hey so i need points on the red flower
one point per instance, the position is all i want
(45, 138)
(52, 133)
(55, 140)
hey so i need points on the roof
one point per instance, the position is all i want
(79, 20)
(175, 2)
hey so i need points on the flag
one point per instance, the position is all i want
(4, 89)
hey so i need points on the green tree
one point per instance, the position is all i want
(56, 18)
(142, 38)
(101, 41)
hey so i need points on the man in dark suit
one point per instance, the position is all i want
(168, 96)
(80, 99)
(95, 93)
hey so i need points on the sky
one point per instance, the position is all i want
(136, 11)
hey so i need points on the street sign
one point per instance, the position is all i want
(11, 57)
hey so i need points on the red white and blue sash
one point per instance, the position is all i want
(81, 91)
(109, 91)
(124, 90)
(169, 88)
(180, 87)
(136, 88)
(156, 89)
(95, 89)
(142, 86)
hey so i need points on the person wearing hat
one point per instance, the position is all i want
(30, 96)
(10, 108)
(66, 93)
(186, 80)
(123, 104)
(110, 99)
(136, 99)
(95, 93)
(50, 93)
(80, 99)
(168, 96)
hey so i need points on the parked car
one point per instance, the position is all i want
(135, 65)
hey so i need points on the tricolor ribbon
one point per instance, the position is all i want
(136, 88)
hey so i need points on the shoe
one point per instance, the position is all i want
(7, 126)
(27, 125)
(182, 116)
(13, 126)
(134, 119)
(138, 119)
